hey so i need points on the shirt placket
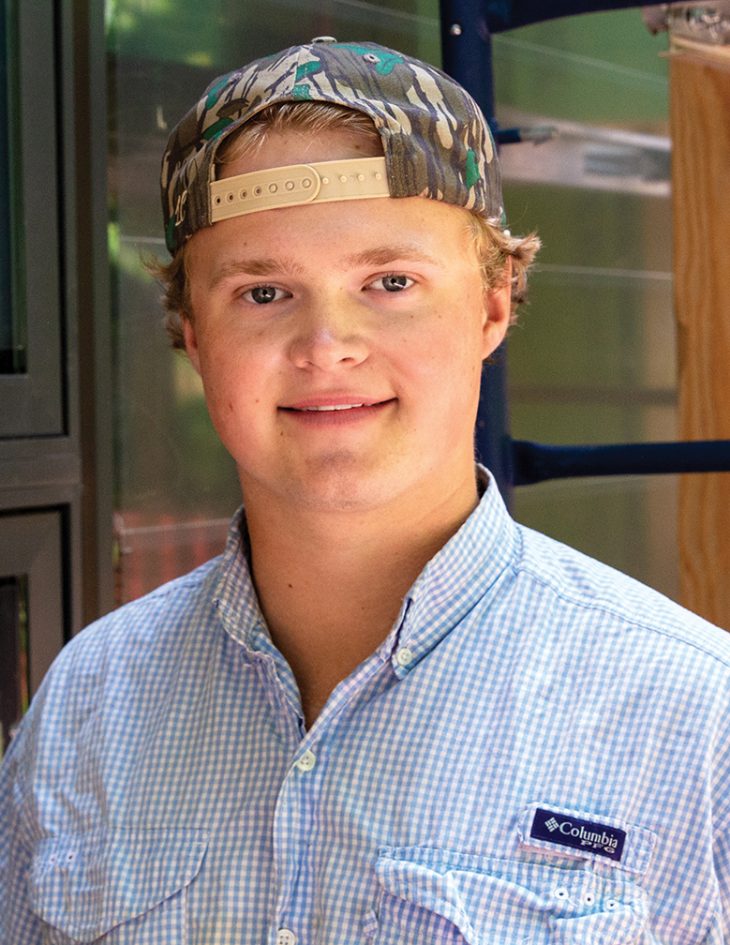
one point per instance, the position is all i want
(294, 835)
(294, 812)
(295, 921)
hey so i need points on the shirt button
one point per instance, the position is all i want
(285, 937)
(404, 656)
(305, 763)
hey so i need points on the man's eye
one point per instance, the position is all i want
(263, 294)
(393, 282)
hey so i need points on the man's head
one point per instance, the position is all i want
(339, 329)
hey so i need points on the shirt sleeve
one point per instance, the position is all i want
(18, 924)
(720, 931)
(721, 928)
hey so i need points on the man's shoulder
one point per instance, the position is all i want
(113, 676)
(143, 629)
(606, 599)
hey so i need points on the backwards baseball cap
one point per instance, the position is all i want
(436, 142)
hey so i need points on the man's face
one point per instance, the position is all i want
(341, 345)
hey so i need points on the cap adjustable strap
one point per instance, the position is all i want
(295, 184)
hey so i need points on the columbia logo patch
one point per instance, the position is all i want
(585, 835)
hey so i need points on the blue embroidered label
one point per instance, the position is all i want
(585, 835)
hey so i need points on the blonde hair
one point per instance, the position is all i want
(493, 244)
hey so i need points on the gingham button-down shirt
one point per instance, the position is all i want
(537, 753)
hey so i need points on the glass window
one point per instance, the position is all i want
(12, 340)
(15, 664)
(32, 383)
(593, 357)
(33, 607)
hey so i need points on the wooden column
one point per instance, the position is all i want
(700, 122)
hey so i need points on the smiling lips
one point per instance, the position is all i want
(332, 407)
(340, 410)
(324, 404)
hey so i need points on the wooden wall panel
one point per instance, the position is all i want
(700, 121)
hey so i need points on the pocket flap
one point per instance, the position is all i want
(422, 886)
(85, 885)
(491, 901)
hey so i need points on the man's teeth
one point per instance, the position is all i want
(334, 407)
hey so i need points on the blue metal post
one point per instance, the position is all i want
(509, 14)
(467, 57)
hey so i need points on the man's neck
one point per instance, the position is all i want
(331, 585)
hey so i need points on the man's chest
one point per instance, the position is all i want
(399, 818)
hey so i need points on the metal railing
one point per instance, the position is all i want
(466, 30)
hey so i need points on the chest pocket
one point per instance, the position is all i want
(434, 898)
(126, 886)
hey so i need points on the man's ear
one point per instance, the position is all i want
(191, 341)
(497, 312)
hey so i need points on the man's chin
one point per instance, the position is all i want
(343, 483)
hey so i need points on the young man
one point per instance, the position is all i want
(387, 714)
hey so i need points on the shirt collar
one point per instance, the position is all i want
(465, 571)
(234, 595)
(459, 575)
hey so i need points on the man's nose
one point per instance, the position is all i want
(329, 333)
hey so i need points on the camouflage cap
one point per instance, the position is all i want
(436, 142)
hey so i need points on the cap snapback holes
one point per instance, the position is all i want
(257, 191)
(230, 196)
(242, 194)
(306, 183)
(218, 201)
(289, 185)
(273, 188)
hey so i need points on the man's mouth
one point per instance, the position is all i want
(311, 406)
(331, 407)
(336, 413)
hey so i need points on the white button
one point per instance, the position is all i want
(561, 893)
(306, 762)
(285, 937)
(404, 656)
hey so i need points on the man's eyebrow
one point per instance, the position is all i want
(260, 267)
(382, 255)
(263, 267)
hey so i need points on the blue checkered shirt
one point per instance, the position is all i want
(537, 753)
